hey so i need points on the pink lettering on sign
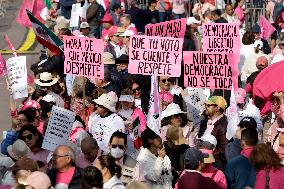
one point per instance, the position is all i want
(221, 38)
(210, 70)
(173, 28)
(83, 56)
(150, 55)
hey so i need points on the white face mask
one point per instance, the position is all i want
(116, 152)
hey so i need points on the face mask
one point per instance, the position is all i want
(116, 152)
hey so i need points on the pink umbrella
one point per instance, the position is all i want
(268, 81)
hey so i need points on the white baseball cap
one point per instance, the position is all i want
(192, 20)
(127, 33)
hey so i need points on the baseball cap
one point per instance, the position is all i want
(217, 100)
(209, 138)
(193, 156)
(84, 25)
(192, 20)
(248, 122)
(127, 33)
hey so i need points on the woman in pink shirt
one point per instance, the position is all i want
(239, 11)
(270, 172)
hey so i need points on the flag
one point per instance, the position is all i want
(232, 114)
(22, 17)
(37, 6)
(136, 133)
(48, 3)
(10, 45)
(153, 119)
(3, 69)
(44, 35)
(266, 28)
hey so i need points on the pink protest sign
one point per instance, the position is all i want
(173, 28)
(83, 56)
(221, 38)
(150, 55)
(210, 70)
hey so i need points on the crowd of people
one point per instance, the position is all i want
(102, 152)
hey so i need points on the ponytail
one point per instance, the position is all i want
(109, 162)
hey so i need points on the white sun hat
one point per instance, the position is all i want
(46, 80)
(108, 101)
(172, 109)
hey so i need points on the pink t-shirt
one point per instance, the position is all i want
(179, 6)
(65, 177)
(276, 180)
(219, 177)
(240, 14)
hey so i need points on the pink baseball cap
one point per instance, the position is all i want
(166, 96)
(240, 95)
(107, 18)
(31, 104)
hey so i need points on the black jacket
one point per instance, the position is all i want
(66, 7)
(75, 182)
(138, 18)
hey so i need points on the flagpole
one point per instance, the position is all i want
(10, 45)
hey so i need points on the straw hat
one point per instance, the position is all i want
(108, 58)
(172, 109)
(46, 80)
(18, 150)
(108, 101)
(217, 100)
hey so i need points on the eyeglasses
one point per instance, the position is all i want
(136, 90)
(28, 137)
(208, 105)
(166, 80)
(117, 145)
(56, 156)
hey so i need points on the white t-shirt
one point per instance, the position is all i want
(103, 128)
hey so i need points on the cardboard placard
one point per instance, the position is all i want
(210, 70)
(173, 28)
(17, 76)
(223, 38)
(59, 127)
(149, 55)
(83, 56)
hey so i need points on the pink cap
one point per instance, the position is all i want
(31, 104)
(166, 96)
(107, 18)
(240, 95)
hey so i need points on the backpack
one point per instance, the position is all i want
(101, 12)
(278, 9)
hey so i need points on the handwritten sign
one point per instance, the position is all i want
(83, 56)
(210, 70)
(59, 127)
(17, 76)
(150, 55)
(195, 100)
(221, 38)
(173, 28)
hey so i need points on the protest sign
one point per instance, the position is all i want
(221, 38)
(83, 56)
(173, 28)
(195, 99)
(59, 127)
(17, 76)
(210, 70)
(150, 55)
(76, 11)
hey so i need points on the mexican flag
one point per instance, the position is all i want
(48, 3)
(45, 36)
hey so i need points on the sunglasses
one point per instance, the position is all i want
(115, 146)
(166, 80)
(28, 137)
(136, 90)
